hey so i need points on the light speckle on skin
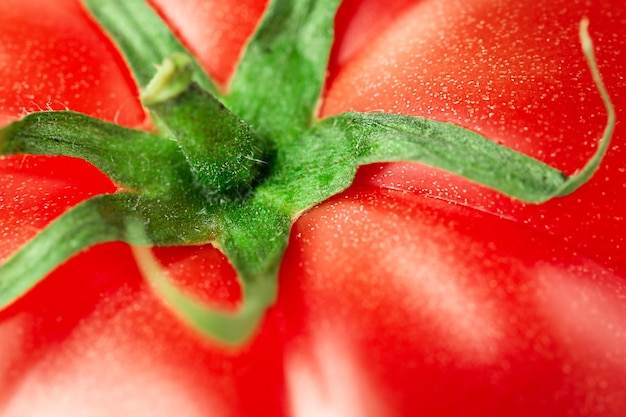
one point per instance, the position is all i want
(53, 62)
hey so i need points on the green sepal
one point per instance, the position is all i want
(231, 328)
(578, 179)
(278, 82)
(109, 217)
(135, 159)
(100, 219)
(327, 157)
(143, 37)
(382, 137)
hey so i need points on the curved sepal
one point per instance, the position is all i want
(111, 148)
(254, 239)
(278, 82)
(582, 176)
(98, 220)
(231, 328)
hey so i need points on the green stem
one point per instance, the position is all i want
(100, 219)
(225, 155)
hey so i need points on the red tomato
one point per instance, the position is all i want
(221, 32)
(391, 303)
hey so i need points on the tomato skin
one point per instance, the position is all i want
(220, 36)
(512, 71)
(421, 307)
(55, 58)
(514, 323)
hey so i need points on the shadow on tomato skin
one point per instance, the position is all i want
(416, 306)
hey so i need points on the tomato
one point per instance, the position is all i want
(412, 293)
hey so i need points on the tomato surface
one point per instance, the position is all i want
(412, 293)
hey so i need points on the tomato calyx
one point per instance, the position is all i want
(237, 169)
